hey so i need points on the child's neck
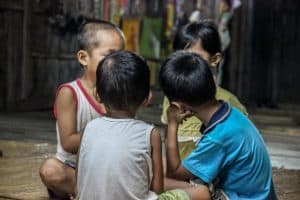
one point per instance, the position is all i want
(206, 111)
(87, 83)
(119, 114)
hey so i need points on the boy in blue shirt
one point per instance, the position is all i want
(231, 157)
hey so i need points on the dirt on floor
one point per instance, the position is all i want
(19, 178)
(287, 183)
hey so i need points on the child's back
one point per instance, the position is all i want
(120, 157)
(118, 153)
(233, 150)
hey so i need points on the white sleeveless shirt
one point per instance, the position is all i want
(86, 110)
(115, 160)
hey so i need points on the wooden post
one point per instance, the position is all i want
(244, 75)
(27, 68)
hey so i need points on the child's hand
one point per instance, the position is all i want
(176, 115)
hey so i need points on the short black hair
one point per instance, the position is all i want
(123, 81)
(186, 77)
(87, 36)
(205, 30)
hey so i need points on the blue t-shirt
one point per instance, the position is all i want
(233, 151)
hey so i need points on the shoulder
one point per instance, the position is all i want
(66, 94)
(223, 94)
(145, 129)
(237, 118)
(66, 97)
(92, 126)
(67, 90)
(142, 124)
(155, 133)
(94, 123)
(234, 125)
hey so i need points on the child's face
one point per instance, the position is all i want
(212, 60)
(110, 41)
(223, 6)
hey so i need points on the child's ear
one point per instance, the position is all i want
(178, 105)
(182, 107)
(216, 59)
(148, 99)
(82, 57)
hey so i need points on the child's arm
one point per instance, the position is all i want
(157, 167)
(170, 184)
(174, 168)
(66, 118)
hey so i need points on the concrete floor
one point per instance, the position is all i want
(28, 138)
(281, 132)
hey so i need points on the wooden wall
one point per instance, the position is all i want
(11, 54)
(3, 55)
(38, 48)
(265, 61)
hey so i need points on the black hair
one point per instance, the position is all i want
(186, 77)
(87, 36)
(205, 30)
(123, 81)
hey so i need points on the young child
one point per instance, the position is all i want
(203, 39)
(76, 105)
(120, 157)
(231, 153)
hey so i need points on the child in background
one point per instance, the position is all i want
(203, 39)
(224, 23)
(75, 105)
(224, 28)
(121, 157)
(231, 153)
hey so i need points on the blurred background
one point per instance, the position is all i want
(38, 52)
(38, 44)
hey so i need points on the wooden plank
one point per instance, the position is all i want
(3, 58)
(63, 56)
(17, 5)
(27, 69)
(246, 66)
(14, 57)
(241, 53)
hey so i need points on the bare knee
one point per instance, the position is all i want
(52, 172)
